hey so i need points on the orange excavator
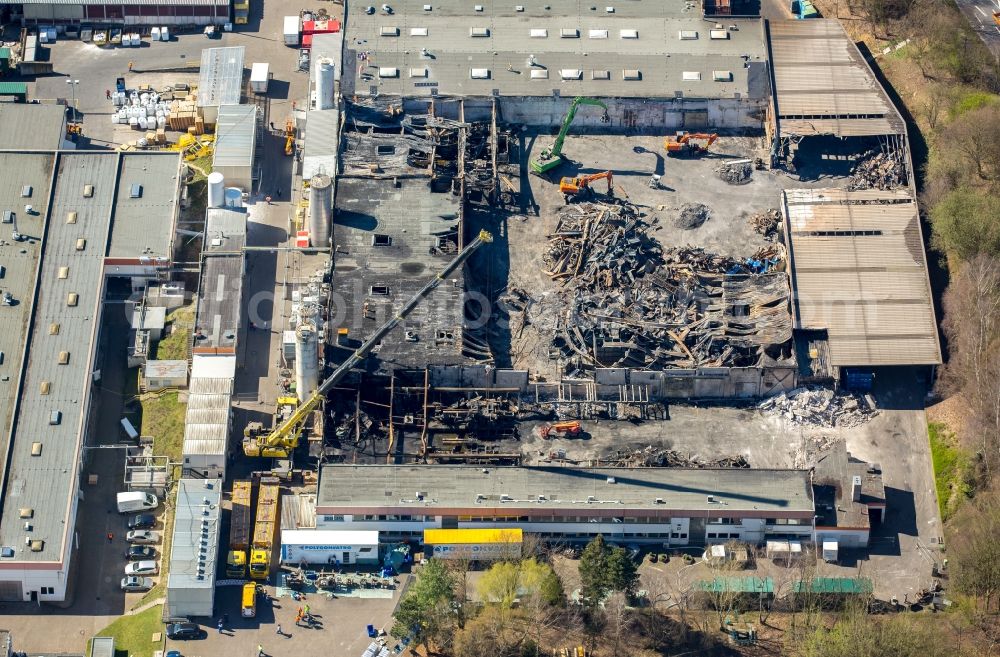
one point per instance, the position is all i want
(570, 428)
(683, 144)
(580, 186)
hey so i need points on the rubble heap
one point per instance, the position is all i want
(658, 457)
(820, 407)
(737, 172)
(692, 215)
(878, 171)
(627, 302)
(766, 223)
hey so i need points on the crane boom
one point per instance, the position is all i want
(550, 158)
(282, 439)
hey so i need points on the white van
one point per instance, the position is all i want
(142, 568)
(129, 429)
(136, 501)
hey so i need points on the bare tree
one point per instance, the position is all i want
(972, 324)
(618, 621)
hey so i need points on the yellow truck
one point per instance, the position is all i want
(239, 531)
(249, 606)
(265, 530)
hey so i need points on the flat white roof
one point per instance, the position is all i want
(213, 367)
(328, 537)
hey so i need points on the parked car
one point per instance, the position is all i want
(142, 568)
(178, 631)
(140, 552)
(136, 584)
(142, 537)
(142, 521)
(174, 653)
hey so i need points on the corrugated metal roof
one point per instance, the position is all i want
(235, 135)
(13, 88)
(859, 271)
(206, 424)
(221, 81)
(823, 85)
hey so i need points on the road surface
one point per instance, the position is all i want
(980, 15)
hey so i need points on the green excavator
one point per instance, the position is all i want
(552, 157)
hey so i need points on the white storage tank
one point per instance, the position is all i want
(234, 197)
(320, 209)
(216, 190)
(306, 360)
(324, 83)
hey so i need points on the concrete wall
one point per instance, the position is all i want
(626, 114)
(847, 538)
(704, 383)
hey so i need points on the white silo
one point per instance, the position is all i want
(324, 83)
(216, 190)
(306, 360)
(320, 209)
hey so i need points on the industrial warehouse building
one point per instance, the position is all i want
(118, 12)
(664, 65)
(666, 506)
(93, 215)
(194, 549)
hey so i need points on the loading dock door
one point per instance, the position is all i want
(695, 120)
(10, 592)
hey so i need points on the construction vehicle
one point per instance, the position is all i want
(570, 428)
(579, 187)
(239, 531)
(283, 439)
(248, 605)
(251, 445)
(684, 143)
(265, 530)
(550, 158)
(289, 136)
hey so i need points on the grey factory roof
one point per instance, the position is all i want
(375, 280)
(183, 3)
(195, 543)
(859, 271)
(19, 261)
(217, 320)
(600, 491)
(225, 230)
(32, 127)
(823, 85)
(65, 302)
(235, 134)
(221, 76)
(833, 487)
(60, 356)
(649, 49)
(319, 155)
(144, 225)
(206, 422)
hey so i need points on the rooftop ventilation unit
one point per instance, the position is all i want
(691, 76)
(506, 498)
(26, 191)
(8, 216)
(569, 33)
(538, 33)
(711, 499)
(631, 74)
(571, 74)
(599, 74)
(480, 74)
(88, 191)
(628, 34)
(71, 217)
(135, 191)
(611, 480)
(418, 31)
(388, 72)
(658, 500)
(539, 74)
(598, 34)
(25, 512)
(722, 76)
(388, 31)
(718, 34)
(687, 35)
(479, 32)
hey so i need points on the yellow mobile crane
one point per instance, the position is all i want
(282, 440)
